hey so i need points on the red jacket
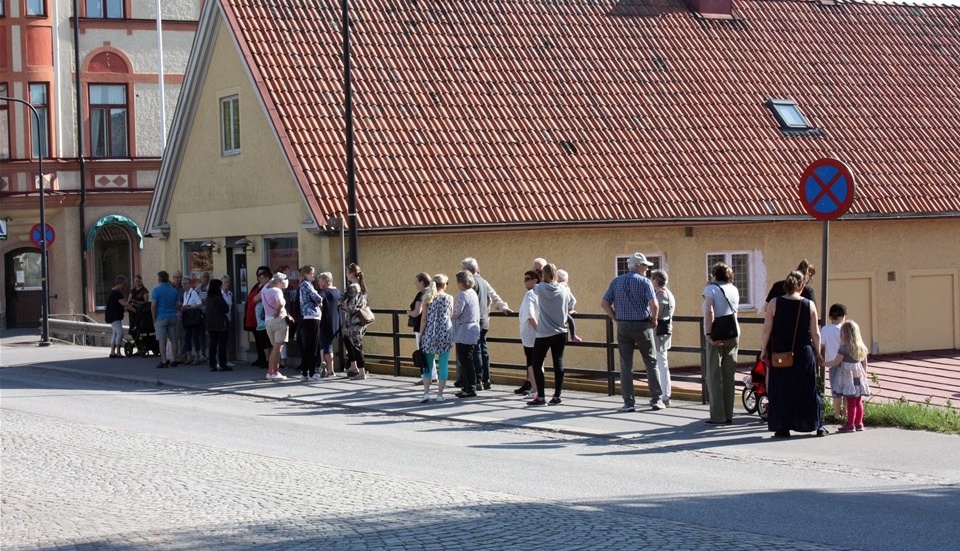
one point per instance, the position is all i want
(250, 315)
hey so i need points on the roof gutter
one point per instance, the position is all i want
(659, 222)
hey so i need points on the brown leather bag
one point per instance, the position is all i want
(785, 359)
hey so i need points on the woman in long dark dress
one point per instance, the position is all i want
(794, 396)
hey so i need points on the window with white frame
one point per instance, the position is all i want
(108, 120)
(741, 262)
(230, 125)
(105, 9)
(656, 259)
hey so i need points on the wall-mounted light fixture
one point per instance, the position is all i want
(245, 244)
(311, 227)
(211, 246)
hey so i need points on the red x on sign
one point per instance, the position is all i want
(826, 189)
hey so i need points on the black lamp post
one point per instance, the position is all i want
(348, 118)
(44, 275)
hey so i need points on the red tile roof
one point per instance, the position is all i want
(523, 112)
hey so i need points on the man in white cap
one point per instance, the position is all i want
(631, 302)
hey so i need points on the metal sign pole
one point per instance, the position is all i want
(823, 280)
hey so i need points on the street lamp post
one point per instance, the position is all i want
(44, 275)
(348, 118)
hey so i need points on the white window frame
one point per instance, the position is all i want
(659, 262)
(747, 291)
(231, 133)
(106, 112)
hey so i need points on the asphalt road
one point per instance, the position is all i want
(415, 483)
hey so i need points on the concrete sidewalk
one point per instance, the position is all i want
(679, 427)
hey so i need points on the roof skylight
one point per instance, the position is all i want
(789, 115)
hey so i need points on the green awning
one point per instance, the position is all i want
(113, 219)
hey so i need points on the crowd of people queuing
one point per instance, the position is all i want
(192, 324)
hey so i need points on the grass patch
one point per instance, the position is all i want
(907, 415)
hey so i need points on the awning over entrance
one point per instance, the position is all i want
(113, 219)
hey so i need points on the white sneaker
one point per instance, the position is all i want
(304, 378)
(440, 399)
(270, 376)
(229, 364)
(316, 377)
(425, 398)
(279, 377)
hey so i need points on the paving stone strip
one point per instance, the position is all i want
(74, 486)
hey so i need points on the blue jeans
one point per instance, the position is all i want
(630, 336)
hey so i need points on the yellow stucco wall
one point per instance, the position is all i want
(250, 194)
(873, 248)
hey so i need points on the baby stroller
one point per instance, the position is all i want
(143, 337)
(754, 394)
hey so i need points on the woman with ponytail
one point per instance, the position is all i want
(353, 300)
(436, 334)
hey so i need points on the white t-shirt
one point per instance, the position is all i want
(830, 339)
(272, 298)
(528, 309)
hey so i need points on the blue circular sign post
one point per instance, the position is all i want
(826, 189)
(826, 192)
(42, 240)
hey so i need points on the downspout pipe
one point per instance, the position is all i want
(78, 88)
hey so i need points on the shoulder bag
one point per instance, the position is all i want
(785, 359)
(725, 327)
(365, 314)
(191, 317)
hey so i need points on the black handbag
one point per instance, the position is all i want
(419, 359)
(725, 327)
(192, 317)
(663, 326)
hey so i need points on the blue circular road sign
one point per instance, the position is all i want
(39, 240)
(826, 189)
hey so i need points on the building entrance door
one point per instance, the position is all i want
(23, 287)
(238, 273)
